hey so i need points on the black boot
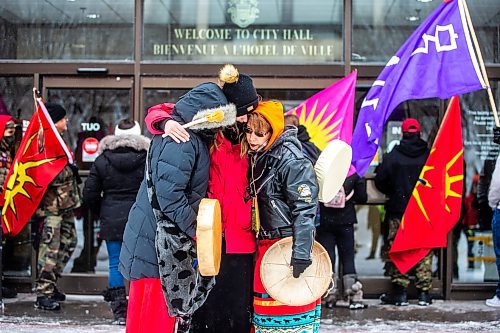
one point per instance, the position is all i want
(58, 295)
(118, 302)
(47, 303)
(398, 297)
(8, 292)
(424, 298)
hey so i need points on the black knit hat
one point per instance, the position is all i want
(239, 90)
(56, 111)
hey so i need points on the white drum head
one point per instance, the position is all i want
(332, 168)
(277, 278)
(209, 237)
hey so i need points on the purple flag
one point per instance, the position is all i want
(437, 60)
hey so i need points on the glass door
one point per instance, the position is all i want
(94, 106)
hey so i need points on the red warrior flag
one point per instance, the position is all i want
(40, 158)
(435, 204)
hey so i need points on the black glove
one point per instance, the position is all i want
(496, 135)
(299, 266)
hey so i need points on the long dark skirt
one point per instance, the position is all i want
(228, 307)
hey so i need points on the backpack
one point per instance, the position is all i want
(339, 199)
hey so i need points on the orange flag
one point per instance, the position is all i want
(40, 158)
(435, 204)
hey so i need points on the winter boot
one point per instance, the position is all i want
(399, 297)
(331, 298)
(353, 290)
(47, 303)
(424, 298)
(8, 292)
(118, 302)
(58, 295)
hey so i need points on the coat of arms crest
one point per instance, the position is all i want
(243, 12)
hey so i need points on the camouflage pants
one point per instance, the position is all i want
(58, 241)
(423, 269)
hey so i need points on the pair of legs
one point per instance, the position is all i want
(115, 278)
(58, 241)
(495, 227)
(272, 316)
(228, 307)
(342, 237)
(400, 282)
(423, 269)
(115, 294)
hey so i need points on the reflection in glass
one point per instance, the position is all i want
(474, 257)
(91, 113)
(94, 30)
(16, 96)
(380, 27)
(154, 97)
(16, 99)
(294, 31)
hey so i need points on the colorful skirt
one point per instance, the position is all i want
(271, 316)
(147, 310)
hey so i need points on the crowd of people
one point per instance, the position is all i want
(260, 168)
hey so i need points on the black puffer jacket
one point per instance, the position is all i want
(287, 192)
(398, 173)
(310, 150)
(114, 181)
(178, 198)
(180, 176)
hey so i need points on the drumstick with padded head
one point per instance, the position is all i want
(215, 116)
(212, 118)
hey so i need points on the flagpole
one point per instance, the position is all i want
(481, 62)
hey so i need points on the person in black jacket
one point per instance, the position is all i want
(336, 229)
(112, 186)
(396, 177)
(284, 191)
(309, 149)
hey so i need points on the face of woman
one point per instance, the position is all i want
(256, 139)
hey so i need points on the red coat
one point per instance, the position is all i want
(228, 183)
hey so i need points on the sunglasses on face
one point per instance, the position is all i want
(259, 134)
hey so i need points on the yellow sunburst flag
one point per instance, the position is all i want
(328, 115)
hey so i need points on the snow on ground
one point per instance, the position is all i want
(89, 314)
(389, 326)
(58, 328)
(27, 325)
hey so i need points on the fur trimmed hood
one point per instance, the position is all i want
(111, 142)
